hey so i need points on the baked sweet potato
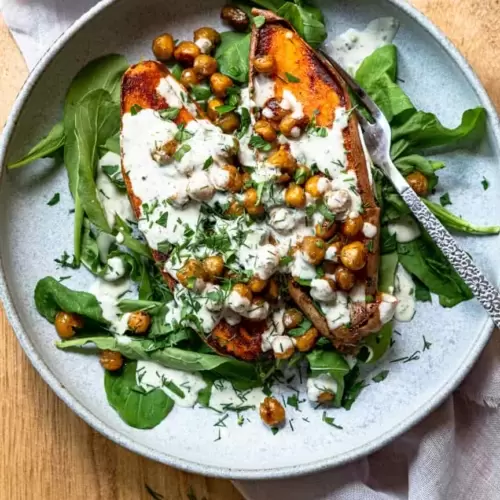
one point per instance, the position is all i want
(139, 91)
(321, 92)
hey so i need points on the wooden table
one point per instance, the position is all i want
(48, 453)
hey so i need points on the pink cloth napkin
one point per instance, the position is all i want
(452, 455)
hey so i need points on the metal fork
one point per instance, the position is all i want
(377, 136)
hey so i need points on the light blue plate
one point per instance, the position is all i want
(33, 234)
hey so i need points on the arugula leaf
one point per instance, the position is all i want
(47, 147)
(232, 55)
(137, 408)
(171, 357)
(307, 20)
(456, 223)
(423, 259)
(353, 388)
(200, 92)
(422, 293)
(327, 362)
(52, 297)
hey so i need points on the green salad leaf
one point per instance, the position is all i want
(329, 362)
(136, 407)
(307, 20)
(387, 271)
(171, 357)
(51, 296)
(49, 145)
(232, 55)
(112, 145)
(129, 240)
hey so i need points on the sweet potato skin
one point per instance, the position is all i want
(139, 86)
(321, 90)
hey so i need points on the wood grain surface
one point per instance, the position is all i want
(48, 453)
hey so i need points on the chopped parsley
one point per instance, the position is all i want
(260, 144)
(54, 200)
(225, 108)
(275, 430)
(330, 421)
(445, 199)
(179, 154)
(291, 78)
(485, 183)
(259, 21)
(182, 134)
(427, 345)
(169, 114)
(135, 109)
(244, 123)
(208, 163)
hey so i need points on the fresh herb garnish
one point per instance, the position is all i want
(260, 144)
(54, 200)
(225, 108)
(169, 114)
(275, 430)
(427, 345)
(485, 183)
(330, 421)
(380, 376)
(208, 163)
(301, 329)
(64, 261)
(115, 176)
(182, 134)
(259, 21)
(135, 109)
(445, 199)
(179, 154)
(244, 123)
(201, 92)
(291, 78)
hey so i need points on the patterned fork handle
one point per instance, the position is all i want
(486, 293)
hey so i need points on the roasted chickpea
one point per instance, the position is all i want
(292, 318)
(273, 110)
(272, 412)
(212, 106)
(354, 255)
(205, 65)
(419, 183)
(139, 322)
(316, 186)
(189, 78)
(235, 182)
(325, 230)
(265, 130)
(351, 227)
(264, 64)
(326, 397)
(285, 351)
(67, 323)
(191, 269)
(333, 251)
(235, 17)
(314, 249)
(250, 202)
(219, 84)
(246, 178)
(209, 34)
(243, 290)
(306, 342)
(235, 209)
(295, 196)
(290, 127)
(186, 53)
(301, 175)
(213, 267)
(163, 153)
(344, 278)
(283, 160)
(273, 290)
(111, 360)
(163, 47)
(229, 122)
(256, 284)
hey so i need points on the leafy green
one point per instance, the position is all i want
(380, 376)
(422, 293)
(244, 123)
(136, 407)
(179, 359)
(353, 388)
(424, 260)
(329, 362)
(376, 344)
(273, 5)
(114, 174)
(232, 55)
(456, 223)
(111, 145)
(307, 20)
(445, 199)
(51, 143)
(128, 239)
(52, 297)
(387, 271)
(301, 329)
(54, 200)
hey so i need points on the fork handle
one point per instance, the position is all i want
(481, 287)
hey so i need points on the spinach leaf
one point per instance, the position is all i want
(353, 388)
(329, 362)
(137, 408)
(307, 20)
(273, 5)
(51, 296)
(114, 173)
(104, 73)
(233, 54)
(171, 357)
(51, 143)
(456, 223)
(132, 305)
(376, 344)
(387, 271)
(112, 145)
(88, 125)
(128, 239)
(422, 293)
(424, 260)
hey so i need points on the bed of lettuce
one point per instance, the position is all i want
(90, 128)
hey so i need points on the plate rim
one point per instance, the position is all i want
(189, 465)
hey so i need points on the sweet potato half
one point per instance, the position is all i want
(321, 91)
(139, 86)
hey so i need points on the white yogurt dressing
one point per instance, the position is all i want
(405, 229)
(352, 47)
(404, 291)
(323, 383)
(275, 329)
(338, 313)
(151, 375)
(115, 269)
(108, 294)
(263, 89)
(224, 395)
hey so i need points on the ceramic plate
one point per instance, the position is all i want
(33, 234)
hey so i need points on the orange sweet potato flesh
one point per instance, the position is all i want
(321, 90)
(139, 85)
